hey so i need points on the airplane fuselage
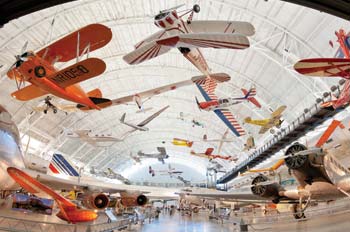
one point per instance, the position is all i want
(10, 150)
(36, 70)
(173, 25)
(222, 103)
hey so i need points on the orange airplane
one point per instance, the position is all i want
(38, 68)
(68, 210)
(208, 154)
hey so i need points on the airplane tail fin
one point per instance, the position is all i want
(59, 165)
(209, 151)
(250, 96)
(96, 93)
(122, 119)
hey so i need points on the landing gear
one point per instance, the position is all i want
(49, 105)
(272, 131)
(298, 212)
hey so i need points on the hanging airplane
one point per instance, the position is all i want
(97, 140)
(171, 171)
(14, 174)
(50, 104)
(332, 67)
(182, 142)
(38, 68)
(142, 97)
(268, 123)
(249, 144)
(221, 141)
(188, 36)
(161, 156)
(208, 155)
(320, 177)
(141, 125)
(109, 173)
(223, 103)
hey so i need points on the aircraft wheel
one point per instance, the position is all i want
(55, 111)
(45, 111)
(272, 131)
(39, 71)
(298, 214)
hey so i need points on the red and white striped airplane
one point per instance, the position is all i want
(332, 67)
(188, 36)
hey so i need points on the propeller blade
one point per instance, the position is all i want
(24, 48)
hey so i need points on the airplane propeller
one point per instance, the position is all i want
(20, 58)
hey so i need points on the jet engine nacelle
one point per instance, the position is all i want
(265, 190)
(132, 199)
(95, 201)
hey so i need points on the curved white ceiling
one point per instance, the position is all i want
(284, 34)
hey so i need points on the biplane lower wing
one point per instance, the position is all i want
(324, 67)
(225, 115)
(216, 26)
(78, 72)
(206, 40)
(94, 35)
(145, 52)
(28, 93)
(277, 113)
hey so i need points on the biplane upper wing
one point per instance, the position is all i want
(156, 91)
(206, 40)
(225, 115)
(277, 113)
(324, 67)
(216, 26)
(28, 93)
(78, 72)
(94, 35)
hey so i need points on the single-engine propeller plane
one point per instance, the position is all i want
(161, 156)
(171, 171)
(208, 155)
(332, 67)
(38, 68)
(268, 123)
(188, 36)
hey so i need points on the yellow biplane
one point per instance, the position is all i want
(268, 123)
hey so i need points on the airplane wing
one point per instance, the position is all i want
(78, 72)
(206, 40)
(28, 93)
(222, 140)
(65, 49)
(324, 67)
(278, 112)
(216, 26)
(159, 90)
(145, 52)
(264, 129)
(153, 116)
(225, 115)
(154, 36)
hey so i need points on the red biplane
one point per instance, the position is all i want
(332, 67)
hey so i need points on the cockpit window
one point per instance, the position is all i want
(161, 15)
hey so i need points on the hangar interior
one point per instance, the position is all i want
(285, 33)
